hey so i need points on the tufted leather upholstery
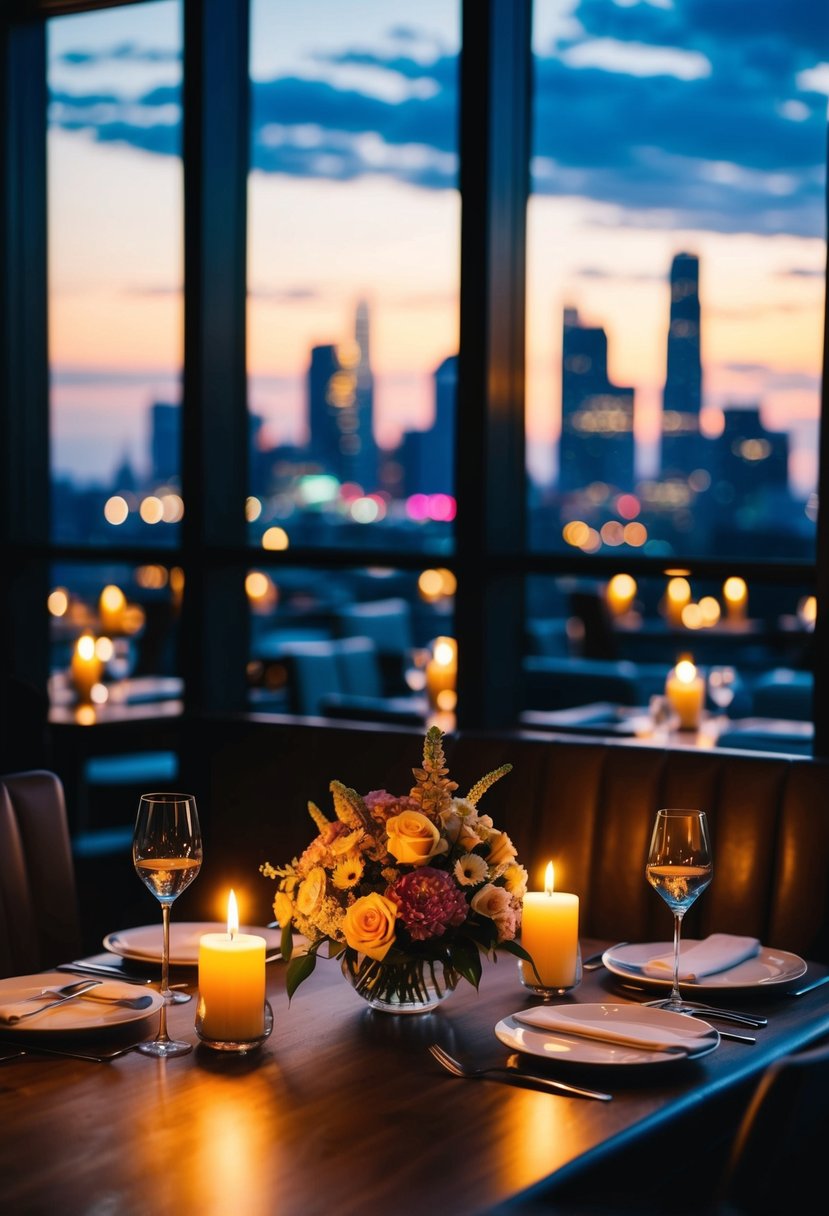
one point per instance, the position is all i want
(586, 805)
(39, 921)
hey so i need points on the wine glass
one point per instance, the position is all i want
(167, 855)
(722, 685)
(679, 867)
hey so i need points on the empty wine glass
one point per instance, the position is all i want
(167, 855)
(679, 867)
(722, 686)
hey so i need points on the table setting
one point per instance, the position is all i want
(407, 956)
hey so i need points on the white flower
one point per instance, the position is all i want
(470, 870)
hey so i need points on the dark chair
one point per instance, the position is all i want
(39, 913)
(777, 1161)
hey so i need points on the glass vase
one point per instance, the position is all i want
(417, 986)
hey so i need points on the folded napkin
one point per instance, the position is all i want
(614, 1030)
(11, 1014)
(719, 952)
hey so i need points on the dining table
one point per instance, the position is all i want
(343, 1109)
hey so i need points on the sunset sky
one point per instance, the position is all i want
(659, 127)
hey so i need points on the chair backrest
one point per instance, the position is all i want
(39, 916)
(777, 1160)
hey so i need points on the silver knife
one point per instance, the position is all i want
(807, 987)
(82, 968)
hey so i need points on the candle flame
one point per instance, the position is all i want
(548, 879)
(232, 915)
(686, 672)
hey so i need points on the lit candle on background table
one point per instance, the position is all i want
(86, 668)
(685, 690)
(442, 674)
(550, 933)
(231, 982)
(735, 594)
(111, 607)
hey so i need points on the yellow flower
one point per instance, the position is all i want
(347, 873)
(501, 849)
(283, 909)
(311, 892)
(369, 925)
(413, 839)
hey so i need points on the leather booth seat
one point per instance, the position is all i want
(584, 804)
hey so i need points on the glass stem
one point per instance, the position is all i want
(165, 950)
(162, 1036)
(675, 995)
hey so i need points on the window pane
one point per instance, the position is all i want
(114, 642)
(354, 239)
(676, 277)
(374, 644)
(115, 273)
(604, 655)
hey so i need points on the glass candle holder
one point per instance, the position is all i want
(548, 992)
(239, 1046)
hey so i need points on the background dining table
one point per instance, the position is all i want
(344, 1110)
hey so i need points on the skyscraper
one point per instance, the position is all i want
(165, 442)
(596, 416)
(341, 407)
(428, 457)
(682, 399)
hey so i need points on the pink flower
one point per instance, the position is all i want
(429, 903)
(383, 805)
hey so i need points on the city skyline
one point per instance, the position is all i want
(604, 220)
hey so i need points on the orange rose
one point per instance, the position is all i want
(369, 925)
(413, 839)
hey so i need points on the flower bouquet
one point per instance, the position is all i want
(407, 891)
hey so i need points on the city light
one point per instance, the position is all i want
(151, 509)
(253, 509)
(116, 510)
(275, 538)
(58, 601)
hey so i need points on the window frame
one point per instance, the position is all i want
(491, 569)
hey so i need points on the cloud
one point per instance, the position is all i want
(690, 115)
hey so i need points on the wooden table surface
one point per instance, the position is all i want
(343, 1110)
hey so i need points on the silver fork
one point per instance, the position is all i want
(511, 1074)
(82, 989)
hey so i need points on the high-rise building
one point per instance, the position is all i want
(428, 457)
(165, 442)
(341, 407)
(596, 416)
(682, 400)
(751, 461)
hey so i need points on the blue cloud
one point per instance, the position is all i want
(722, 149)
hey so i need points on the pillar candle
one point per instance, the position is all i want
(232, 983)
(550, 933)
(86, 668)
(685, 689)
(442, 673)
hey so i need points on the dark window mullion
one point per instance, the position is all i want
(24, 408)
(215, 425)
(490, 470)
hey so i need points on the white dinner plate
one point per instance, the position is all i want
(561, 1048)
(143, 945)
(82, 1012)
(765, 970)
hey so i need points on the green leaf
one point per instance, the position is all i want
(298, 970)
(518, 951)
(467, 962)
(286, 944)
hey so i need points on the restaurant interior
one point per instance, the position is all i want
(411, 448)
